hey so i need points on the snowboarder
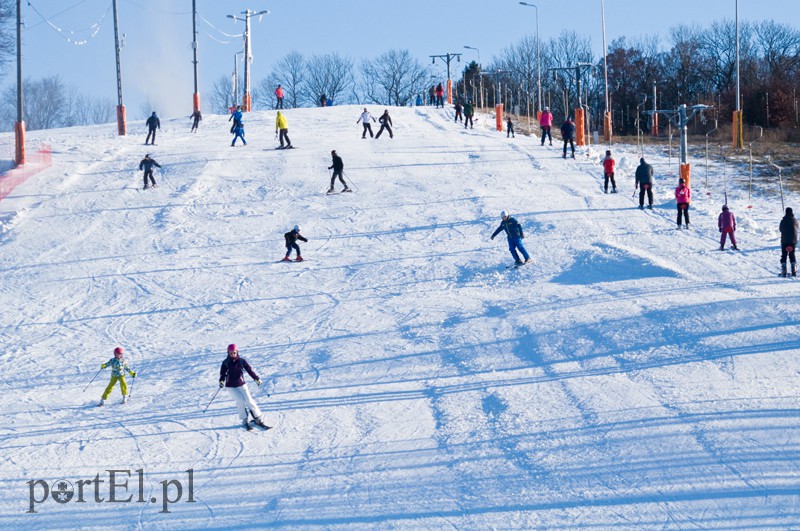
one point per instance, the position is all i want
(386, 123)
(279, 97)
(236, 116)
(788, 228)
(439, 96)
(147, 165)
(458, 107)
(282, 126)
(153, 123)
(364, 119)
(291, 238)
(510, 128)
(727, 225)
(515, 235)
(546, 122)
(338, 168)
(238, 130)
(196, 117)
(568, 134)
(644, 181)
(608, 172)
(118, 368)
(469, 111)
(683, 196)
(231, 375)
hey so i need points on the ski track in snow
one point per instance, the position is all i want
(629, 376)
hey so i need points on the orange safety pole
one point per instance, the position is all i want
(19, 137)
(122, 126)
(580, 134)
(246, 102)
(498, 116)
(686, 174)
(607, 127)
(654, 132)
(450, 91)
(196, 101)
(738, 130)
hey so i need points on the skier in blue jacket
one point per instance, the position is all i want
(515, 235)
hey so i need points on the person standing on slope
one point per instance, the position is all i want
(568, 134)
(291, 238)
(153, 123)
(515, 235)
(608, 172)
(683, 196)
(236, 116)
(510, 128)
(282, 126)
(439, 96)
(644, 181)
(546, 122)
(364, 119)
(231, 375)
(147, 165)
(279, 97)
(469, 111)
(118, 368)
(727, 225)
(238, 130)
(338, 169)
(788, 228)
(458, 108)
(386, 123)
(196, 117)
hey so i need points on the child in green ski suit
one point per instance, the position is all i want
(118, 367)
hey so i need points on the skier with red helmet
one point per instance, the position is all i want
(118, 366)
(231, 375)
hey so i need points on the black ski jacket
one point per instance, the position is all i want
(153, 122)
(385, 119)
(644, 174)
(232, 372)
(148, 163)
(338, 164)
(788, 228)
(292, 237)
(511, 227)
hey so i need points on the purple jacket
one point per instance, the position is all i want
(726, 221)
(232, 372)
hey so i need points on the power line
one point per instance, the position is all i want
(94, 29)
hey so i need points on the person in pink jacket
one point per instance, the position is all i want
(546, 122)
(683, 196)
(727, 225)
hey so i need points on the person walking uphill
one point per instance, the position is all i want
(147, 165)
(231, 375)
(788, 228)
(683, 196)
(386, 123)
(515, 235)
(568, 134)
(338, 169)
(364, 119)
(153, 123)
(118, 368)
(546, 122)
(238, 130)
(644, 181)
(608, 172)
(439, 96)
(469, 111)
(727, 225)
(282, 126)
(291, 238)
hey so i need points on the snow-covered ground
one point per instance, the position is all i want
(631, 376)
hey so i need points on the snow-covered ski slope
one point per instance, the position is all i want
(630, 376)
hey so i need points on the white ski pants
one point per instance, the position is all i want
(244, 402)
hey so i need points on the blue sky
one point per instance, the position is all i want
(156, 60)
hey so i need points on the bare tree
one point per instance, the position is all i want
(290, 73)
(780, 47)
(45, 103)
(8, 44)
(393, 78)
(222, 95)
(331, 75)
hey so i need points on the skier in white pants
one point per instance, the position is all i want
(231, 375)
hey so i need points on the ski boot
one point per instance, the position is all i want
(125, 399)
(783, 269)
(735, 248)
(247, 425)
(330, 191)
(650, 207)
(260, 424)
(722, 247)
(346, 189)
(286, 259)
(298, 259)
(102, 402)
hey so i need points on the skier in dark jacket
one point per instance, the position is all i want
(147, 165)
(510, 128)
(231, 375)
(338, 169)
(788, 228)
(644, 181)
(458, 108)
(196, 117)
(291, 238)
(568, 134)
(153, 123)
(386, 123)
(515, 235)
(469, 111)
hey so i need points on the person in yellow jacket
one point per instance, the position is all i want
(282, 126)
(118, 367)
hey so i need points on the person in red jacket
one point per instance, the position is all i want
(683, 196)
(279, 97)
(727, 225)
(608, 172)
(546, 122)
(439, 96)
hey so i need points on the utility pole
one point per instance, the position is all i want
(579, 118)
(447, 58)
(196, 96)
(19, 126)
(122, 127)
(680, 117)
(247, 102)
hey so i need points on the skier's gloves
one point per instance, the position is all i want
(103, 366)
(258, 382)
(133, 375)
(221, 383)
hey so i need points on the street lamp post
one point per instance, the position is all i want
(122, 127)
(538, 62)
(738, 140)
(19, 126)
(247, 102)
(447, 58)
(607, 115)
(480, 70)
(196, 95)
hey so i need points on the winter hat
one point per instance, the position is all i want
(296, 228)
(503, 214)
(682, 181)
(789, 211)
(641, 160)
(118, 350)
(232, 347)
(547, 109)
(724, 208)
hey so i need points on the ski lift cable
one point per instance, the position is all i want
(67, 34)
(219, 30)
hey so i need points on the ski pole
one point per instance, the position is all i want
(90, 381)
(350, 180)
(212, 398)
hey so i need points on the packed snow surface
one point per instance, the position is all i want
(631, 376)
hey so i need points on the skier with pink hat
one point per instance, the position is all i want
(231, 375)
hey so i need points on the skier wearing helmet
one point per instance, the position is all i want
(515, 235)
(118, 367)
(231, 375)
(291, 238)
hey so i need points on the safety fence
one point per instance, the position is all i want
(35, 161)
